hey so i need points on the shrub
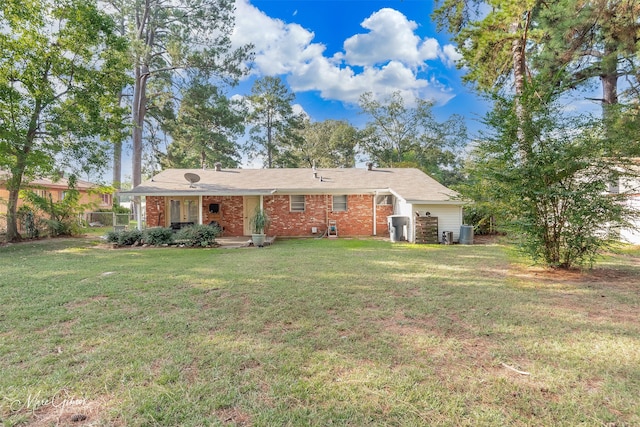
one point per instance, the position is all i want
(129, 237)
(112, 236)
(124, 237)
(62, 215)
(158, 236)
(198, 235)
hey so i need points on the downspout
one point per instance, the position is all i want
(375, 216)
(326, 212)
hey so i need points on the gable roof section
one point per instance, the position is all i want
(412, 185)
(60, 183)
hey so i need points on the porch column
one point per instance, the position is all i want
(200, 210)
(138, 204)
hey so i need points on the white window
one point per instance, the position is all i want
(384, 200)
(297, 203)
(614, 186)
(107, 199)
(339, 203)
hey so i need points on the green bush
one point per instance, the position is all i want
(124, 237)
(112, 236)
(198, 235)
(158, 236)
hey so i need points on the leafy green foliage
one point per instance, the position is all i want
(61, 66)
(198, 235)
(158, 236)
(61, 217)
(596, 40)
(124, 237)
(172, 41)
(259, 221)
(494, 38)
(399, 136)
(274, 128)
(554, 197)
(327, 144)
(205, 130)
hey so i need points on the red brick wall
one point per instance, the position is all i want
(356, 221)
(286, 223)
(382, 212)
(155, 211)
(230, 216)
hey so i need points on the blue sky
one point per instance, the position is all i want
(330, 51)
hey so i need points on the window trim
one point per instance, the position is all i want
(302, 202)
(387, 198)
(333, 203)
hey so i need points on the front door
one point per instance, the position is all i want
(251, 203)
(183, 209)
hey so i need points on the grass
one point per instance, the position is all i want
(314, 332)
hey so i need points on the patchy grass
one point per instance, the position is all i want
(314, 332)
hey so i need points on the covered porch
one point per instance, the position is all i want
(231, 213)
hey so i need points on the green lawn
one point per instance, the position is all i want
(314, 332)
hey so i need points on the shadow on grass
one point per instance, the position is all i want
(317, 332)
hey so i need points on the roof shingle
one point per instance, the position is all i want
(408, 183)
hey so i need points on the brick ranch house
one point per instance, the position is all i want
(56, 190)
(299, 202)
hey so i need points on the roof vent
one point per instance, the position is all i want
(218, 166)
(369, 166)
(192, 178)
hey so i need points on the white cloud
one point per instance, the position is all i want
(391, 37)
(389, 57)
(450, 55)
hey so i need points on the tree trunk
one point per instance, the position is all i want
(138, 112)
(519, 75)
(609, 79)
(12, 210)
(15, 182)
(116, 181)
(269, 147)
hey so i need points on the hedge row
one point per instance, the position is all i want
(193, 236)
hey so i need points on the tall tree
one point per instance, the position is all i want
(328, 144)
(274, 125)
(590, 39)
(170, 38)
(61, 68)
(399, 136)
(494, 45)
(570, 41)
(555, 200)
(206, 129)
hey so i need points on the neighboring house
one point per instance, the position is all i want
(631, 187)
(57, 189)
(299, 202)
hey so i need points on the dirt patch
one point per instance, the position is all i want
(66, 412)
(617, 278)
(234, 416)
(85, 302)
